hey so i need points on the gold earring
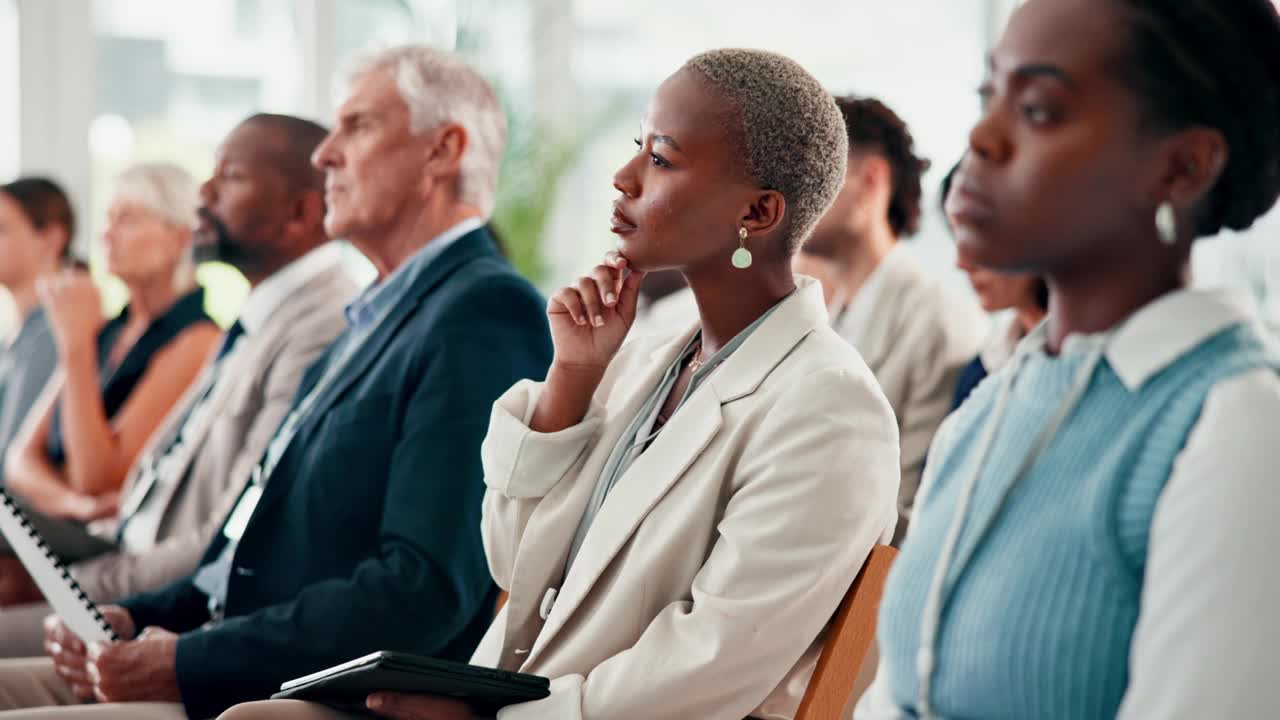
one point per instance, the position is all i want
(742, 256)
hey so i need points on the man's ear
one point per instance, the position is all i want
(444, 152)
(306, 213)
(876, 172)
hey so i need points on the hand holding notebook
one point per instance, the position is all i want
(406, 705)
(349, 685)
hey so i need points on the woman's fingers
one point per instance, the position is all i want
(629, 296)
(615, 260)
(592, 303)
(606, 279)
(589, 301)
(568, 299)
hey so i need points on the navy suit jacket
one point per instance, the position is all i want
(367, 535)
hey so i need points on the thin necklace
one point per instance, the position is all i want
(695, 362)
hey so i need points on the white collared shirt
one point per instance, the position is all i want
(1004, 339)
(1206, 638)
(272, 292)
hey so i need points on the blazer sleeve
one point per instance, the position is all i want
(520, 467)
(810, 499)
(178, 607)
(430, 579)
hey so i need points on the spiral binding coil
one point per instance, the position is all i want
(58, 565)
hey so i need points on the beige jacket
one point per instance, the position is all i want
(256, 387)
(916, 336)
(717, 560)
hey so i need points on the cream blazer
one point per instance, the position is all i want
(717, 560)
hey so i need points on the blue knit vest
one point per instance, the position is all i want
(1039, 612)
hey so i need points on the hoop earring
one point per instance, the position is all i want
(742, 256)
(1167, 223)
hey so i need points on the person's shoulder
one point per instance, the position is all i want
(202, 331)
(824, 367)
(322, 301)
(489, 277)
(485, 297)
(331, 286)
(950, 317)
(1248, 399)
(193, 343)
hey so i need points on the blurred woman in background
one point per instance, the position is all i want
(36, 228)
(116, 381)
(1026, 296)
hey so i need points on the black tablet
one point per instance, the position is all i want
(346, 686)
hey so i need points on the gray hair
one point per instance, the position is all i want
(793, 134)
(440, 88)
(164, 189)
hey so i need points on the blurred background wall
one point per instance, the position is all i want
(88, 87)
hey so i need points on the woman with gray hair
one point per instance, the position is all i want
(117, 381)
(677, 518)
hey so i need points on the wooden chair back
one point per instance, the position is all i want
(849, 639)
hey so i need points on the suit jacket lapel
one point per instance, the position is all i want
(555, 520)
(690, 431)
(249, 358)
(637, 492)
(469, 247)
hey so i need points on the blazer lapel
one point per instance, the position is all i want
(555, 520)
(247, 357)
(637, 492)
(690, 431)
(469, 247)
(693, 428)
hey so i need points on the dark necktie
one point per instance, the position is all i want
(148, 478)
(233, 333)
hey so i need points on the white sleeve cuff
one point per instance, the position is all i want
(565, 703)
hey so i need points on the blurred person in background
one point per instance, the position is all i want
(1096, 533)
(359, 528)
(116, 382)
(915, 335)
(1025, 296)
(262, 212)
(37, 225)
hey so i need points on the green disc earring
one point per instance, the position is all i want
(742, 256)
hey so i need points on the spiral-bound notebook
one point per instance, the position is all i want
(69, 541)
(61, 590)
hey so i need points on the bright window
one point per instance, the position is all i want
(10, 143)
(172, 80)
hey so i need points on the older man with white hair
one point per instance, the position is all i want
(359, 529)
